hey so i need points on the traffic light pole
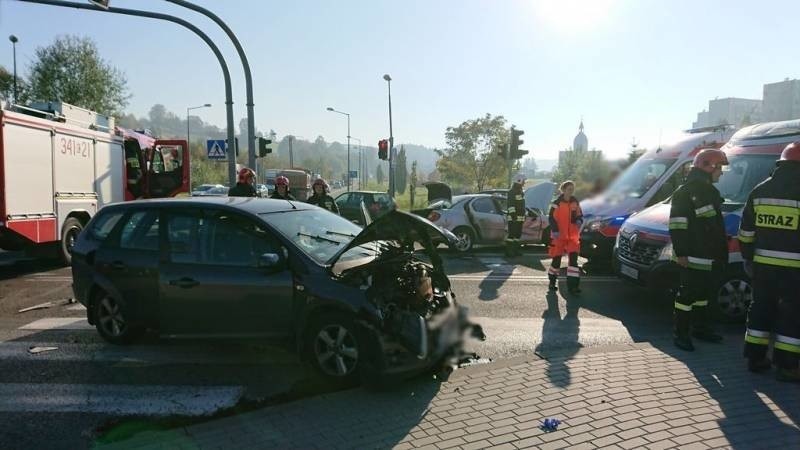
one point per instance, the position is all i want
(391, 141)
(509, 160)
(152, 15)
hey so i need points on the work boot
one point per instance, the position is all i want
(707, 335)
(757, 365)
(788, 375)
(684, 343)
(553, 283)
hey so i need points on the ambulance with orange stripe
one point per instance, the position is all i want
(59, 164)
(643, 251)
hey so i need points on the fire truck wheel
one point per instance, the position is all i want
(69, 235)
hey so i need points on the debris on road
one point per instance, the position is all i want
(549, 425)
(46, 305)
(37, 350)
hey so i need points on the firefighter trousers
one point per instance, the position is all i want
(775, 309)
(514, 235)
(698, 288)
(573, 271)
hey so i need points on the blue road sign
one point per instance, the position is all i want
(216, 149)
(353, 174)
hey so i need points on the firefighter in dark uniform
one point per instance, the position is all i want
(770, 243)
(321, 197)
(282, 189)
(244, 184)
(699, 246)
(515, 212)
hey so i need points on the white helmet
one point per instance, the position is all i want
(520, 178)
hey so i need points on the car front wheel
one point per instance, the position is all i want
(333, 347)
(466, 239)
(734, 297)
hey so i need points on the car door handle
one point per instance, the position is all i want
(185, 283)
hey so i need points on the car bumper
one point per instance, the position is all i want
(596, 246)
(662, 274)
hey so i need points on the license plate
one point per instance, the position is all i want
(629, 271)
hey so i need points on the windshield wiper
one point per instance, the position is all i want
(340, 234)
(319, 238)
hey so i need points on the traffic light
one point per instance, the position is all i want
(383, 149)
(516, 152)
(264, 147)
(502, 150)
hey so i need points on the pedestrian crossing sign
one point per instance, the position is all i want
(216, 149)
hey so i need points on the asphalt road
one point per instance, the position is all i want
(58, 398)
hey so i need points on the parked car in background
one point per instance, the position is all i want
(203, 188)
(643, 250)
(376, 203)
(354, 300)
(481, 218)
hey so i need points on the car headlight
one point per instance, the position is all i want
(666, 253)
(616, 240)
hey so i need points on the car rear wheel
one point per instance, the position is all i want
(333, 347)
(466, 239)
(734, 297)
(112, 323)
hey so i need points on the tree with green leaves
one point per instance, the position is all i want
(473, 156)
(379, 174)
(7, 87)
(412, 182)
(71, 70)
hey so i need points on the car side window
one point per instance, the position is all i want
(671, 184)
(183, 235)
(237, 241)
(342, 199)
(484, 205)
(355, 199)
(140, 231)
(104, 225)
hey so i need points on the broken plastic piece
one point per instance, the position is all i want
(37, 350)
(550, 424)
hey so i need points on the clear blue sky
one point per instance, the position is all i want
(630, 68)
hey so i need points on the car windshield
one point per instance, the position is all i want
(637, 179)
(318, 233)
(742, 175)
(203, 187)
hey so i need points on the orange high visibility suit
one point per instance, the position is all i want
(566, 218)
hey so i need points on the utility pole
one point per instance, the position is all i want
(391, 138)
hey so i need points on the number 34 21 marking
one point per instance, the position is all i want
(74, 147)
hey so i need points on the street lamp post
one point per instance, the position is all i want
(152, 15)
(14, 40)
(348, 143)
(360, 173)
(391, 138)
(188, 133)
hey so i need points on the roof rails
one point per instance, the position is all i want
(721, 127)
(66, 113)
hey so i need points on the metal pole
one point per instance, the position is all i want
(225, 73)
(508, 155)
(291, 153)
(391, 139)
(14, 40)
(248, 78)
(349, 179)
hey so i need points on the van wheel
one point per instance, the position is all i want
(733, 298)
(69, 235)
(333, 347)
(111, 321)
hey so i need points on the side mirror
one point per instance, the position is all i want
(269, 261)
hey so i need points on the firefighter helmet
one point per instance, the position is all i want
(321, 182)
(709, 159)
(244, 174)
(791, 152)
(282, 181)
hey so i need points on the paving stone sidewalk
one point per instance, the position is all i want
(633, 396)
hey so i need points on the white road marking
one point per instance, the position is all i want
(514, 277)
(58, 323)
(117, 399)
(76, 307)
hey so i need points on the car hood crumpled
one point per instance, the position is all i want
(401, 226)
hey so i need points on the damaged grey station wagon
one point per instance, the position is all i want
(371, 301)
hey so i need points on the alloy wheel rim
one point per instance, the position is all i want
(110, 318)
(734, 296)
(464, 241)
(72, 236)
(336, 351)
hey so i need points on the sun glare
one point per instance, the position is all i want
(573, 16)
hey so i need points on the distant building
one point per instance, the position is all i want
(782, 100)
(579, 144)
(730, 111)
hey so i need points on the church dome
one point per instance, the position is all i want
(581, 142)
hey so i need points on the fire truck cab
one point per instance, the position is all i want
(59, 164)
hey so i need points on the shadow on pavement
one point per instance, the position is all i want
(559, 339)
(492, 283)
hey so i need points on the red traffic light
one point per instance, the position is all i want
(383, 149)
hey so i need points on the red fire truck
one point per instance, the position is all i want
(59, 164)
